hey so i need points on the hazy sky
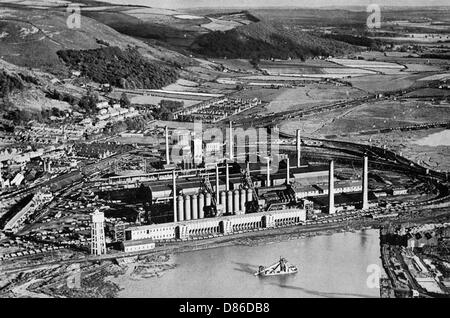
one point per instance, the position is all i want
(173, 4)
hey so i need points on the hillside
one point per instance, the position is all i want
(264, 40)
(31, 38)
(121, 68)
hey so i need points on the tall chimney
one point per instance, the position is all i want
(287, 170)
(174, 187)
(227, 177)
(331, 208)
(268, 172)
(365, 184)
(298, 143)
(217, 184)
(167, 145)
(231, 141)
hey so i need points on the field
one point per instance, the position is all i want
(375, 116)
(385, 83)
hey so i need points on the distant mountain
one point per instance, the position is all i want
(266, 40)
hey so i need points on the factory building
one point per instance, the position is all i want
(138, 245)
(164, 231)
(214, 226)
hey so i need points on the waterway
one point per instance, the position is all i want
(330, 266)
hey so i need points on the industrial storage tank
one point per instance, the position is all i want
(180, 208)
(249, 195)
(201, 206)
(208, 199)
(236, 201)
(243, 200)
(223, 198)
(229, 201)
(187, 207)
(194, 208)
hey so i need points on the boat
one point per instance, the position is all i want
(282, 267)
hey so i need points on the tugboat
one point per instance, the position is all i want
(282, 267)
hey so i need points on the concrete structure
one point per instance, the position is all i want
(288, 178)
(243, 199)
(217, 185)
(155, 232)
(201, 206)
(194, 207)
(138, 245)
(215, 226)
(298, 144)
(187, 207)
(229, 207)
(365, 184)
(230, 132)
(223, 197)
(331, 209)
(180, 203)
(98, 242)
(174, 196)
(227, 177)
(236, 208)
(166, 132)
(208, 199)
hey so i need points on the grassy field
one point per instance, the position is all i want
(385, 83)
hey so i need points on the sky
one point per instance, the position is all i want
(175, 4)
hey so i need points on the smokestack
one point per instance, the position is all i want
(287, 170)
(231, 141)
(365, 184)
(217, 184)
(167, 145)
(331, 208)
(174, 187)
(298, 148)
(268, 172)
(227, 177)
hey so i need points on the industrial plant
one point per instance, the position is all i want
(227, 197)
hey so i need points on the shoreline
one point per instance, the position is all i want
(108, 272)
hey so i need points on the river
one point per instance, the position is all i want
(330, 266)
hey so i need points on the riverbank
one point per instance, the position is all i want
(100, 277)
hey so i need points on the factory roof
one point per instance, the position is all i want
(341, 198)
(143, 227)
